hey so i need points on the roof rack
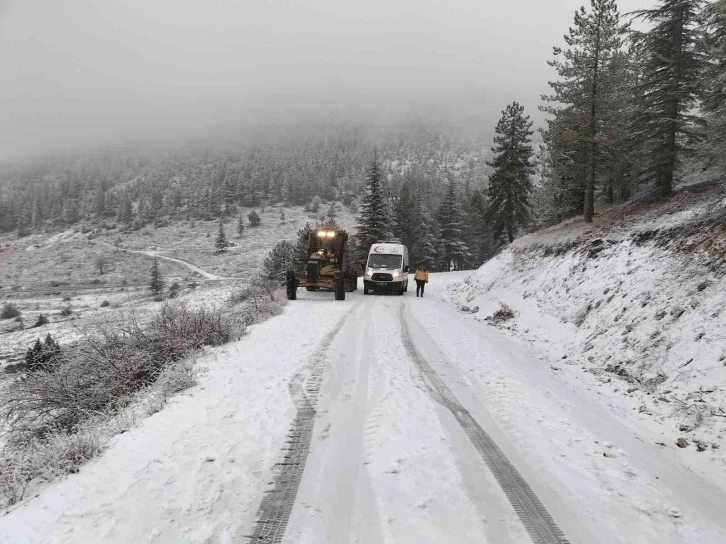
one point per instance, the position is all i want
(388, 242)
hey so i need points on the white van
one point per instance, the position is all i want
(386, 268)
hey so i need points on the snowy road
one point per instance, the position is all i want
(390, 459)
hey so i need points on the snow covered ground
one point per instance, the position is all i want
(388, 461)
(641, 325)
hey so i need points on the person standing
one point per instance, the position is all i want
(422, 278)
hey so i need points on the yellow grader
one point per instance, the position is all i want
(327, 267)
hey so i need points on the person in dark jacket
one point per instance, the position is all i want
(422, 278)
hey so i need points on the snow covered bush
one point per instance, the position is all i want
(50, 417)
(504, 313)
(254, 218)
(278, 261)
(43, 355)
(101, 373)
(9, 311)
(42, 320)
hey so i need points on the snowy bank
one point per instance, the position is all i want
(641, 314)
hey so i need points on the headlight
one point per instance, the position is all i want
(369, 271)
(396, 273)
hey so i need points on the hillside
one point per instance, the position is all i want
(53, 274)
(633, 305)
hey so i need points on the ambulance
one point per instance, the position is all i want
(387, 268)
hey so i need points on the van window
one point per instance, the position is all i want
(379, 260)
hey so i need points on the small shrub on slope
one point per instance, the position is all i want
(9, 311)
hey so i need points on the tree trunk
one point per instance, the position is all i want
(590, 188)
(610, 197)
(666, 181)
(510, 233)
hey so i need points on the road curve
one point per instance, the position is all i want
(149, 253)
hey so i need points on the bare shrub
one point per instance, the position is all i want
(504, 313)
(101, 374)
(57, 419)
(174, 290)
(67, 311)
(263, 298)
(241, 295)
(55, 455)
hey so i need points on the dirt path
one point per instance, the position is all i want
(149, 253)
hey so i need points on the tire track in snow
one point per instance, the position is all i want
(276, 506)
(534, 516)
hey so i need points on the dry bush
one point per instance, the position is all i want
(262, 299)
(53, 417)
(504, 313)
(102, 373)
(57, 455)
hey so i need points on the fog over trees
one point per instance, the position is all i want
(144, 113)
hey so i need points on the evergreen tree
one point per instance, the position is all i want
(301, 247)
(510, 184)
(43, 356)
(455, 251)
(283, 217)
(254, 218)
(407, 218)
(478, 235)
(670, 88)
(714, 101)
(373, 219)
(125, 211)
(156, 284)
(221, 242)
(426, 248)
(593, 40)
(71, 213)
(331, 211)
(240, 225)
(279, 260)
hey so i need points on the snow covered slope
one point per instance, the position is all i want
(639, 306)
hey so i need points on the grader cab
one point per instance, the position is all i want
(327, 267)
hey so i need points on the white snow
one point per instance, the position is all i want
(640, 310)
(195, 471)
(388, 463)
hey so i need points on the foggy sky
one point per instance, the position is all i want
(89, 72)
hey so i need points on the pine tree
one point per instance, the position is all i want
(455, 251)
(478, 235)
(279, 260)
(510, 184)
(221, 242)
(125, 211)
(240, 225)
(670, 88)
(331, 211)
(301, 247)
(283, 217)
(407, 218)
(426, 248)
(714, 101)
(593, 40)
(254, 218)
(156, 284)
(373, 219)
